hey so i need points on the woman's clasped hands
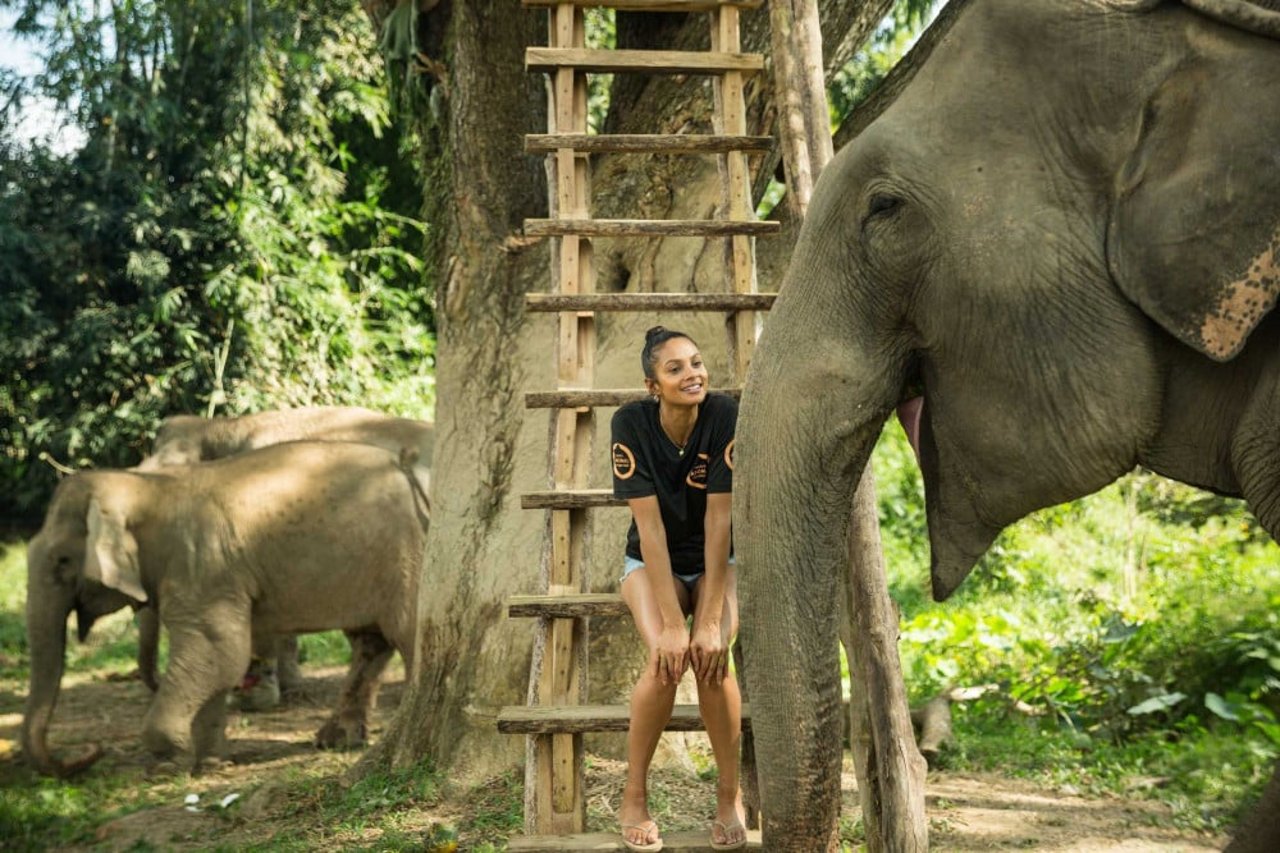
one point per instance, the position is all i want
(707, 652)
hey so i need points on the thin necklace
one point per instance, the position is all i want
(678, 446)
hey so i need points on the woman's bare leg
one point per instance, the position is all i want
(651, 703)
(721, 708)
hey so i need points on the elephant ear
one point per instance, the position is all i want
(1194, 237)
(111, 552)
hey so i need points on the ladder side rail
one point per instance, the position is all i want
(741, 327)
(558, 801)
(731, 120)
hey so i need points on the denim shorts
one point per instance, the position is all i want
(630, 564)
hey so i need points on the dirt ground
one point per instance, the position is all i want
(271, 752)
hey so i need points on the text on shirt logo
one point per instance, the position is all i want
(698, 473)
(624, 461)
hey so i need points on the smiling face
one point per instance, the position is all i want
(679, 374)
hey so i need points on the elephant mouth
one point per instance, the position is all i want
(911, 407)
(910, 412)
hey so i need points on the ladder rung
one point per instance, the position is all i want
(573, 398)
(649, 5)
(667, 143)
(649, 301)
(686, 841)
(649, 227)
(570, 499)
(640, 61)
(570, 719)
(567, 606)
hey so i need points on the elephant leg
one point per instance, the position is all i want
(209, 728)
(148, 646)
(349, 726)
(1260, 831)
(206, 659)
(287, 669)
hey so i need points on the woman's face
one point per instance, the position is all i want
(680, 376)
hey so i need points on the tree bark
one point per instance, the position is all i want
(474, 101)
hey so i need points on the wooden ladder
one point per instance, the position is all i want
(558, 714)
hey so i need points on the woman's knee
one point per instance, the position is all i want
(651, 681)
(721, 691)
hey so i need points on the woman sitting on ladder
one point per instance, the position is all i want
(673, 463)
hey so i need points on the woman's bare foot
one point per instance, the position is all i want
(727, 830)
(639, 831)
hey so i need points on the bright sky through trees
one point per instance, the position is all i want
(38, 117)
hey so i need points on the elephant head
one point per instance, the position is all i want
(83, 559)
(180, 441)
(1064, 235)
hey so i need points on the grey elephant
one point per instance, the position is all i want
(1064, 235)
(183, 439)
(298, 537)
(186, 439)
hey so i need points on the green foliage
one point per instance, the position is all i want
(891, 40)
(379, 791)
(13, 586)
(235, 233)
(1207, 777)
(602, 34)
(863, 72)
(112, 644)
(329, 648)
(1138, 628)
(496, 808)
(50, 812)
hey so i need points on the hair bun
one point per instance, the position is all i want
(653, 339)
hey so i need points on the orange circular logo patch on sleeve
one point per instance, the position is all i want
(728, 453)
(624, 461)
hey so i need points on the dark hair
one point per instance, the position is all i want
(653, 339)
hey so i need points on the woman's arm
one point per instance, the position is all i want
(710, 648)
(671, 657)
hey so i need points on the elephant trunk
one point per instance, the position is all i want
(808, 422)
(47, 638)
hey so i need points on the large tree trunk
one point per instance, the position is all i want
(476, 101)
(479, 187)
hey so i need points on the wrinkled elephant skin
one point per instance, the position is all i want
(1064, 234)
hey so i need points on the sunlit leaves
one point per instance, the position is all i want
(1162, 702)
(232, 196)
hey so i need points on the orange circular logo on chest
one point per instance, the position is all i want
(698, 473)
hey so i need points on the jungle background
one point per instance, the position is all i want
(222, 208)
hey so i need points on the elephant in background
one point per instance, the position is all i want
(297, 537)
(183, 439)
(186, 439)
(1063, 235)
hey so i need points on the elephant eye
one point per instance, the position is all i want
(882, 204)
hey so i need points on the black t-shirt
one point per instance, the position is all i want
(647, 462)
